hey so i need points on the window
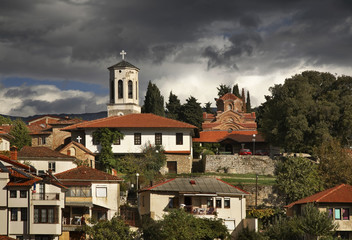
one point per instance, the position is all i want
(23, 214)
(130, 90)
(23, 194)
(101, 191)
(42, 140)
(158, 139)
(79, 192)
(137, 139)
(51, 166)
(331, 212)
(337, 213)
(13, 194)
(179, 138)
(218, 202)
(345, 214)
(136, 90)
(13, 214)
(173, 202)
(112, 90)
(210, 202)
(227, 203)
(45, 214)
(95, 141)
(120, 88)
(117, 141)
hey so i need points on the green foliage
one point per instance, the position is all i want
(223, 89)
(147, 164)
(297, 178)
(106, 137)
(20, 133)
(335, 163)
(308, 109)
(154, 101)
(283, 229)
(192, 113)
(313, 223)
(179, 225)
(116, 228)
(248, 103)
(5, 120)
(236, 91)
(247, 234)
(207, 108)
(173, 107)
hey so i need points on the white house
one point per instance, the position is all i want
(203, 197)
(5, 139)
(44, 159)
(91, 194)
(30, 206)
(139, 130)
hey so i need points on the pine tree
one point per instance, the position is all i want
(154, 101)
(207, 108)
(192, 113)
(236, 91)
(223, 89)
(248, 103)
(173, 107)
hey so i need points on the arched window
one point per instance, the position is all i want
(120, 89)
(136, 90)
(112, 91)
(130, 89)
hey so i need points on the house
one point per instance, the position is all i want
(203, 197)
(91, 194)
(233, 141)
(140, 130)
(5, 139)
(337, 201)
(45, 159)
(30, 206)
(80, 152)
(46, 131)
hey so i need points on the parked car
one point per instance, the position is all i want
(262, 153)
(245, 151)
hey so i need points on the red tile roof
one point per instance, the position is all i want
(6, 238)
(79, 145)
(339, 194)
(86, 173)
(6, 128)
(27, 182)
(219, 136)
(228, 96)
(142, 120)
(16, 163)
(40, 152)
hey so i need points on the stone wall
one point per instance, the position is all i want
(267, 196)
(184, 162)
(238, 164)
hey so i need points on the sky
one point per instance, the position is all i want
(54, 55)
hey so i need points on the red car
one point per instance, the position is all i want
(245, 152)
(262, 153)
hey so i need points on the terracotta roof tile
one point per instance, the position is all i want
(339, 194)
(228, 96)
(123, 64)
(27, 182)
(86, 173)
(219, 136)
(6, 128)
(6, 238)
(142, 120)
(38, 152)
(79, 145)
(15, 163)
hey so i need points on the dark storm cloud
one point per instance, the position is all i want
(66, 105)
(22, 92)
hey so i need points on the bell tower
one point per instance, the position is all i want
(124, 92)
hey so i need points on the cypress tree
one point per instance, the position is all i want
(192, 113)
(248, 103)
(154, 101)
(236, 91)
(173, 107)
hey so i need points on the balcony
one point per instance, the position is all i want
(199, 210)
(45, 196)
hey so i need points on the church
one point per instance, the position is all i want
(139, 129)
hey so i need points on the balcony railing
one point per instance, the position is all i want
(200, 211)
(46, 196)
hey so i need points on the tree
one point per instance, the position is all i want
(106, 137)
(5, 120)
(314, 223)
(192, 113)
(223, 89)
(248, 103)
(179, 225)
(335, 163)
(308, 109)
(297, 178)
(236, 91)
(116, 228)
(154, 101)
(20, 133)
(173, 107)
(207, 108)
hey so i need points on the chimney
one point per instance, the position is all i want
(13, 153)
(192, 182)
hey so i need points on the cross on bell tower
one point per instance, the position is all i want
(123, 53)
